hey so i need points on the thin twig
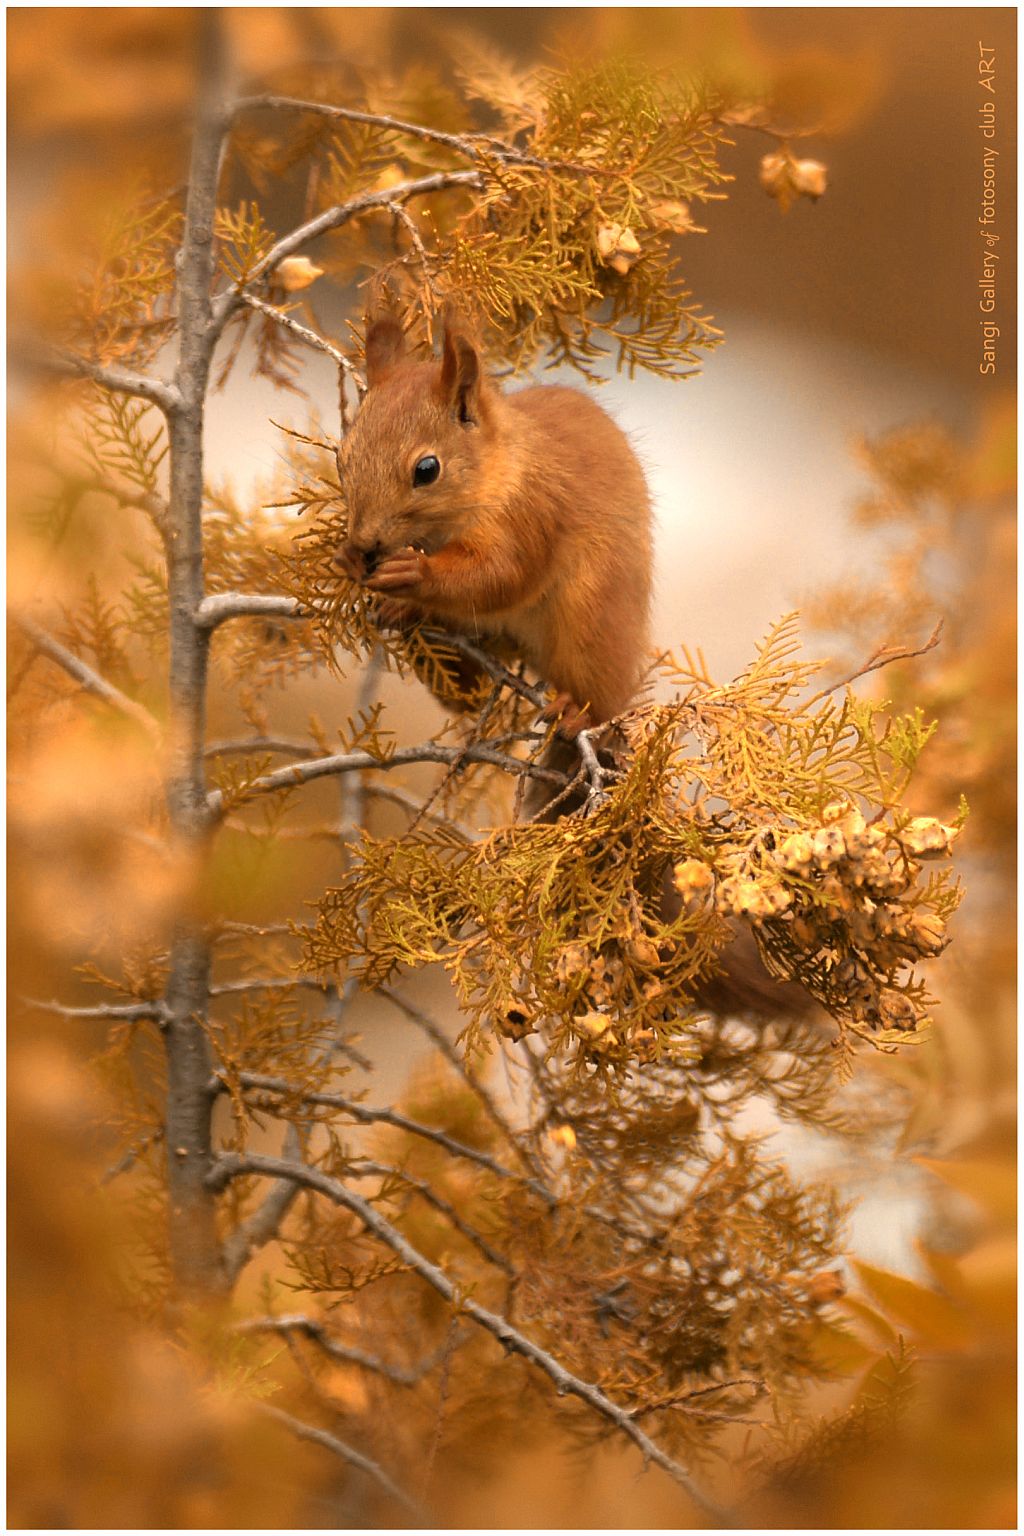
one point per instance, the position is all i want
(89, 679)
(373, 1116)
(310, 337)
(512, 1340)
(255, 745)
(882, 657)
(123, 1012)
(265, 1222)
(221, 606)
(368, 1168)
(347, 1453)
(314, 1330)
(435, 1033)
(333, 218)
(475, 146)
(354, 762)
(121, 381)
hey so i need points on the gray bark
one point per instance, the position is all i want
(195, 1248)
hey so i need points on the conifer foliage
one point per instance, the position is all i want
(590, 1235)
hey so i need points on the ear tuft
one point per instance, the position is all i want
(461, 374)
(385, 347)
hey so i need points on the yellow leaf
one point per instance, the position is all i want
(929, 1317)
(990, 1184)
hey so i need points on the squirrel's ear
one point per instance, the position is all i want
(461, 378)
(385, 347)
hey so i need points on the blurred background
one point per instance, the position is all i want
(852, 318)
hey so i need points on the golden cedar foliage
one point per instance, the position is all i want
(615, 1205)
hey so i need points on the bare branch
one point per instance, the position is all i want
(354, 762)
(512, 1340)
(536, 695)
(419, 809)
(121, 381)
(462, 143)
(596, 775)
(255, 745)
(221, 606)
(393, 1117)
(334, 218)
(423, 1189)
(475, 146)
(195, 1245)
(90, 680)
(882, 657)
(308, 336)
(314, 1330)
(272, 984)
(347, 1453)
(265, 1222)
(124, 1012)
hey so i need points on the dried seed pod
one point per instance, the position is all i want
(295, 273)
(829, 846)
(515, 1023)
(694, 881)
(875, 873)
(787, 179)
(927, 933)
(796, 853)
(573, 961)
(927, 838)
(591, 1026)
(896, 1011)
(891, 921)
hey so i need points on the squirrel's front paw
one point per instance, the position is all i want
(392, 613)
(571, 719)
(404, 571)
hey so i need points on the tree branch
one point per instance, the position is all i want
(347, 1453)
(346, 1353)
(354, 762)
(121, 381)
(475, 146)
(254, 746)
(303, 331)
(882, 656)
(195, 1246)
(265, 1222)
(122, 1012)
(512, 1340)
(333, 218)
(221, 606)
(90, 680)
(393, 1117)
(369, 1169)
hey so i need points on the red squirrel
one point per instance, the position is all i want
(525, 515)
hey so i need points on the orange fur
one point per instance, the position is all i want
(537, 528)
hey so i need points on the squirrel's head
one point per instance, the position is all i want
(411, 467)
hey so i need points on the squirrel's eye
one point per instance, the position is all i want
(427, 470)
